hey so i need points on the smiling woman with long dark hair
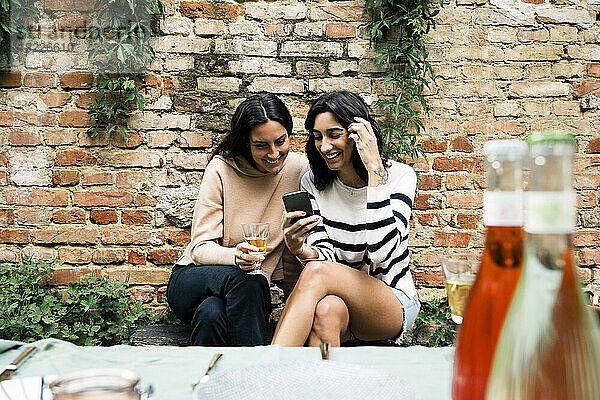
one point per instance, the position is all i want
(357, 280)
(247, 174)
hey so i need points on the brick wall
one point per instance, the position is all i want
(505, 68)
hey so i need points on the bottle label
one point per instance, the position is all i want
(550, 212)
(503, 208)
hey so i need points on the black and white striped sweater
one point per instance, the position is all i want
(367, 228)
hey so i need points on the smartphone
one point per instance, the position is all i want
(297, 201)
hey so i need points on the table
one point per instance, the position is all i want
(172, 370)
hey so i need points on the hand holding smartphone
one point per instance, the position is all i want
(297, 201)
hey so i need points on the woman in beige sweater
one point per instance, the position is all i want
(243, 183)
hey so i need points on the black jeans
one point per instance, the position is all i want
(223, 304)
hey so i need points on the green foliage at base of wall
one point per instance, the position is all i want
(434, 326)
(92, 311)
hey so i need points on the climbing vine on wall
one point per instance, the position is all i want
(121, 51)
(398, 31)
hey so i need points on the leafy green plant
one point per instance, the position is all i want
(120, 42)
(399, 30)
(14, 17)
(434, 326)
(91, 311)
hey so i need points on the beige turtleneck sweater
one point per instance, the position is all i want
(233, 192)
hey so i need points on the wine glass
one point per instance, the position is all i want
(257, 234)
(460, 271)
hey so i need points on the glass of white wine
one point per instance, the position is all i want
(257, 234)
(460, 271)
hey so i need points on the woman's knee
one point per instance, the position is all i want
(331, 313)
(210, 311)
(314, 275)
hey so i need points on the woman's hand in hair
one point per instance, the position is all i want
(295, 234)
(366, 144)
(244, 260)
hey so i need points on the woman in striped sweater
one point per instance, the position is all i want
(356, 281)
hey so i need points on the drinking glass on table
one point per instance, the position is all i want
(257, 234)
(460, 270)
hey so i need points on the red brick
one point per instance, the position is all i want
(37, 197)
(451, 164)
(425, 201)
(109, 256)
(179, 238)
(142, 200)
(586, 238)
(135, 217)
(430, 182)
(24, 138)
(462, 144)
(14, 236)
(163, 256)
(593, 147)
(106, 198)
(37, 118)
(586, 200)
(65, 177)
(435, 145)
(160, 293)
(161, 139)
(429, 277)
(334, 12)
(585, 87)
(142, 276)
(134, 139)
(103, 217)
(534, 1)
(456, 181)
(594, 70)
(152, 81)
(467, 221)
(194, 9)
(65, 235)
(3, 159)
(465, 200)
(73, 23)
(447, 239)
(63, 276)
(32, 217)
(7, 118)
(589, 256)
(4, 178)
(55, 99)
(10, 79)
(130, 179)
(98, 178)
(40, 79)
(74, 157)
(429, 219)
(69, 216)
(274, 30)
(69, 5)
(7, 216)
(196, 139)
(137, 257)
(143, 294)
(85, 99)
(298, 143)
(130, 236)
(340, 30)
(75, 255)
(76, 119)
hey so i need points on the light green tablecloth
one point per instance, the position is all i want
(172, 370)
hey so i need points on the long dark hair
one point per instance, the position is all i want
(344, 106)
(255, 110)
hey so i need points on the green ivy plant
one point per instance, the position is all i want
(14, 16)
(120, 42)
(434, 326)
(92, 311)
(399, 30)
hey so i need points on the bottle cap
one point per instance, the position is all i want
(550, 138)
(510, 149)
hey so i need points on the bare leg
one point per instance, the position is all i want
(374, 311)
(331, 322)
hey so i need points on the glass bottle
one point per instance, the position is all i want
(500, 268)
(97, 384)
(549, 347)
